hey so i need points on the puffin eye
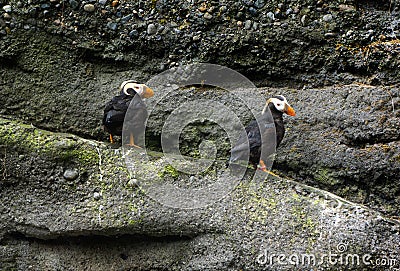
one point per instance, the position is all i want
(278, 104)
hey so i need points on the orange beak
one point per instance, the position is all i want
(148, 92)
(289, 110)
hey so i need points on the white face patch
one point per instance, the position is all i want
(138, 88)
(279, 105)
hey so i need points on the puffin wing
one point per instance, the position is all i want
(114, 114)
(261, 143)
(253, 137)
(137, 115)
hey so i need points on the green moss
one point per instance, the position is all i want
(170, 171)
(257, 207)
(303, 221)
(84, 156)
(324, 176)
(27, 138)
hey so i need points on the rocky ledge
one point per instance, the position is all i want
(68, 200)
(69, 203)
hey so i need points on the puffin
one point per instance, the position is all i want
(116, 109)
(277, 105)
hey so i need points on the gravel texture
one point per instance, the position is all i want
(67, 202)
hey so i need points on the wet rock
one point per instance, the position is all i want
(203, 7)
(7, 16)
(346, 8)
(327, 17)
(248, 2)
(133, 33)
(259, 3)
(96, 195)
(7, 8)
(329, 35)
(103, 2)
(74, 4)
(196, 37)
(126, 18)
(71, 174)
(247, 24)
(211, 9)
(151, 29)
(89, 7)
(133, 182)
(112, 25)
(253, 11)
(303, 20)
(271, 16)
(45, 6)
(114, 3)
(207, 16)
(255, 25)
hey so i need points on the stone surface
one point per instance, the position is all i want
(125, 226)
(151, 29)
(71, 174)
(59, 64)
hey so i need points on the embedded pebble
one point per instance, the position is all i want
(207, 16)
(96, 195)
(248, 2)
(271, 16)
(259, 3)
(346, 8)
(102, 2)
(255, 25)
(133, 182)
(327, 17)
(203, 7)
(196, 38)
(247, 24)
(253, 11)
(303, 20)
(151, 29)
(133, 33)
(71, 174)
(73, 3)
(112, 25)
(114, 3)
(7, 16)
(45, 6)
(7, 8)
(89, 7)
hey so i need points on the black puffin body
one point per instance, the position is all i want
(260, 132)
(116, 110)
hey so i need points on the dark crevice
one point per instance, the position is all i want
(87, 240)
(361, 143)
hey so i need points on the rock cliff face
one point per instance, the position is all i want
(68, 201)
